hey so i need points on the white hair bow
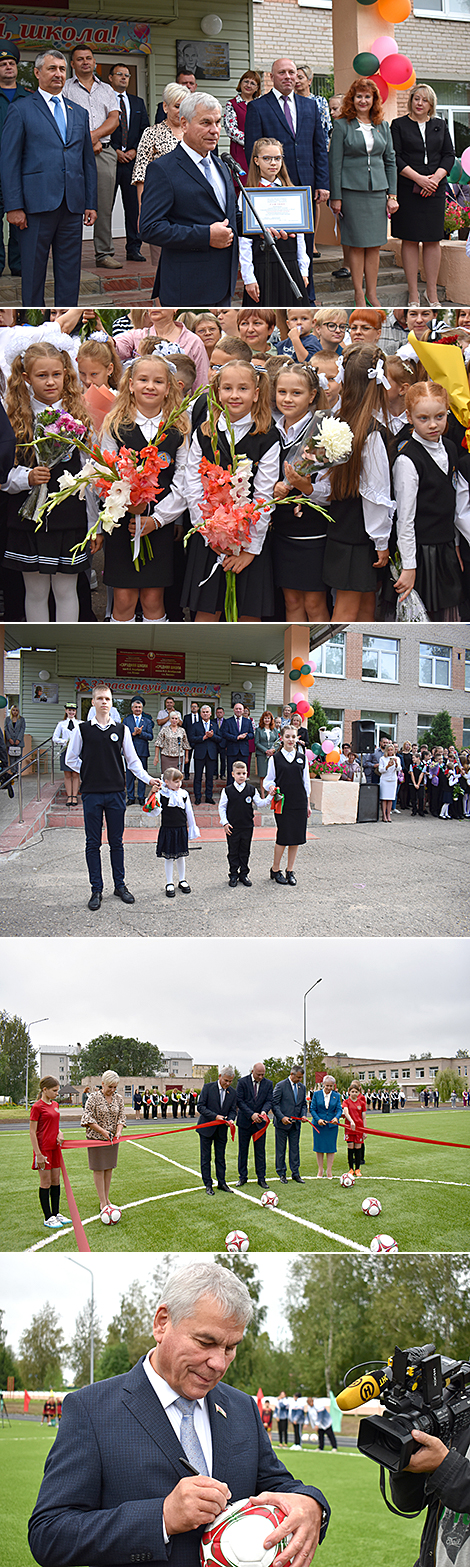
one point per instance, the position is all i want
(340, 376)
(378, 374)
(322, 380)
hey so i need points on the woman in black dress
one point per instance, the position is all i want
(424, 154)
(288, 772)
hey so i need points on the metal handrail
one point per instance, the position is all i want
(24, 764)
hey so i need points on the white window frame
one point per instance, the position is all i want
(406, 1072)
(420, 1072)
(340, 639)
(446, 15)
(467, 668)
(395, 1072)
(315, 5)
(383, 1076)
(380, 679)
(434, 685)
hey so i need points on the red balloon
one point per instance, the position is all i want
(395, 69)
(382, 86)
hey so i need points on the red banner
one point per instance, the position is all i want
(135, 661)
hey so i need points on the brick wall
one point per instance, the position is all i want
(354, 655)
(438, 48)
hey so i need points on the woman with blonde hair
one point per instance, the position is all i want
(155, 141)
(104, 1118)
(363, 180)
(424, 154)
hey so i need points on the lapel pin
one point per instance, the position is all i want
(221, 1411)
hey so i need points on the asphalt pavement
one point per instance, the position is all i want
(410, 878)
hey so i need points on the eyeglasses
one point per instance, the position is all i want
(335, 326)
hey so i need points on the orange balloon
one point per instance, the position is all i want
(297, 663)
(309, 713)
(394, 10)
(306, 680)
(410, 83)
(334, 756)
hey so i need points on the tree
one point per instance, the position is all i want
(440, 730)
(211, 1074)
(129, 1057)
(80, 1346)
(42, 1348)
(113, 1362)
(315, 1060)
(132, 1325)
(448, 1083)
(243, 1372)
(327, 1311)
(14, 1040)
(8, 1365)
(462, 1054)
(316, 722)
(278, 1067)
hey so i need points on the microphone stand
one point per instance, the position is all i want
(271, 247)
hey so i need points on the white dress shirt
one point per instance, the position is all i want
(18, 477)
(167, 1397)
(49, 99)
(320, 482)
(62, 734)
(292, 105)
(223, 802)
(173, 504)
(406, 485)
(217, 177)
(289, 756)
(266, 477)
(92, 719)
(374, 490)
(132, 761)
(176, 797)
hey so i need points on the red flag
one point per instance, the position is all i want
(26, 1402)
(259, 1399)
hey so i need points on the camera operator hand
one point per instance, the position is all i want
(431, 1454)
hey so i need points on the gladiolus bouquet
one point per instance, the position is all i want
(227, 510)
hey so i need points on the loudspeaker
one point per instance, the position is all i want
(368, 803)
(363, 735)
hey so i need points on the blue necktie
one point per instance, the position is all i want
(188, 1435)
(59, 117)
(207, 170)
(294, 1085)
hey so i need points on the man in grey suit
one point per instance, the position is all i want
(143, 1463)
(289, 1109)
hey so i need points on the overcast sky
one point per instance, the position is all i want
(237, 1000)
(30, 1281)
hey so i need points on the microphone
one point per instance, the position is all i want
(364, 1388)
(226, 157)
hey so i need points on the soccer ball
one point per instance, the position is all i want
(382, 1243)
(270, 1200)
(372, 1207)
(236, 1240)
(348, 1179)
(236, 1538)
(110, 1215)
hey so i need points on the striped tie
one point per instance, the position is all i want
(188, 1435)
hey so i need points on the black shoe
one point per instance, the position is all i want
(291, 879)
(210, 802)
(134, 255)
(299, 1180)
(233, 881)
(11, 792)
(94, 902)
(222, 1187)
(131, 801)
(283, 1179)
(123, 893)
(242, 1183)
(277, 876)
(264, 1184)
(341, 272)
(169, 890)
(196, 802)
(245, 881)
(209, 1191)
(183, 886)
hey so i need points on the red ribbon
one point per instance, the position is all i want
(404, 1137)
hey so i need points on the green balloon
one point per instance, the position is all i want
(456, 173)
(294, 674)
(366, 64)
(316, 748)
(305, 670)
(3, 701)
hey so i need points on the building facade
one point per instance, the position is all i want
(400, 680)
(409, 1074)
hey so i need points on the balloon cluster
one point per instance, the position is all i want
(331, 753)
(383, 64)
(302, 673)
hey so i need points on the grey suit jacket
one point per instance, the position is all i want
(349, 163)
(115, 1459)
(284, 1101)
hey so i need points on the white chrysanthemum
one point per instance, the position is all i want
(335, 438)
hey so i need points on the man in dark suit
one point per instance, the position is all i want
(217, 1102)
(48, 175)
(205, 755)
(189, 721)
(133, 120)
(141, 731)
(144, 1462)
(9, 93)
(189, 208)
(254, 1100)
(185, 79)
(236, 734)
(218, 730)
(295, 121)
(289, 1109)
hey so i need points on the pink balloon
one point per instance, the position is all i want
(396, 68)
(382, 86)
(312, 663)
(303, 708)
(327, 746)
(383, 46)
(309, 756)
(465, 160)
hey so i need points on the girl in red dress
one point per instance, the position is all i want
(46, 1138)
(354, 1111)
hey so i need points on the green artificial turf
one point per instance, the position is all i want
(424, 1191)
(350, 1482)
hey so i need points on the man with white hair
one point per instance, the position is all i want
(189, 208)
(217, 1102)
(144, 1462)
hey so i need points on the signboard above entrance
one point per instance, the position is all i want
(134, 661)
(65, 32)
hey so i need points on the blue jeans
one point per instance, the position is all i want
(112, 806)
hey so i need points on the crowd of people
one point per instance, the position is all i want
(182, 199)
(379, 529)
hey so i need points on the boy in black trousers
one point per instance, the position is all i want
(100, 751)
(236, 810)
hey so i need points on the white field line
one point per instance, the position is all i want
(95, 1218)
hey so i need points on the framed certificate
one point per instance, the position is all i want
(280, 207)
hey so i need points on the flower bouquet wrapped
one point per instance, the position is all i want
(227, 511)
(54, 436)
(325, 443)
(277, 802)
(412, 608)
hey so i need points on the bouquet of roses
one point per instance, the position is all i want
(53, 431)
(227, 511)
(325, 443)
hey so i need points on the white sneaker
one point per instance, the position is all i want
(62, 1220)
(52, 1223)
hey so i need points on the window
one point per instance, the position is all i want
(466, 733)
(371, 1075)
(385, 724)
(406, 1072)
(434, 665)
(334, 715)
(467, 668)
(330, 656)
(127, 1089)
(433, 1071)
(424, 723)
(459, 9)
(419, 1071)
(394, 1072)
(361, 1076)
(380, 658)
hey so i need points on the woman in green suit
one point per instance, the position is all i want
(363, 182)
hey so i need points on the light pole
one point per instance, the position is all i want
(307, 993)
(28, 1026)
(92, 1315)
